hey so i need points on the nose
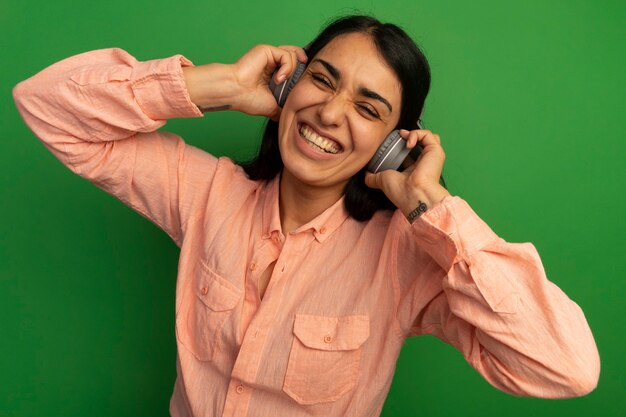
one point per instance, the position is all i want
(332, 111)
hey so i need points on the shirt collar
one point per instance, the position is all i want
(271, 213)
(322, 226)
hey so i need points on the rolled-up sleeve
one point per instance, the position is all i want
(491, 300)
(98, 112)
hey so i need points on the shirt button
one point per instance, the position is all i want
(323, 229)
(328, 339)
(253, 266)
(204, 290)
(239, 389)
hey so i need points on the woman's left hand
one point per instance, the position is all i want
(419, 183)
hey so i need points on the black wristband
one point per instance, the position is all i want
(419, 210)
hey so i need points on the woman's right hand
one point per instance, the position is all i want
(244, 85)
(254, 70)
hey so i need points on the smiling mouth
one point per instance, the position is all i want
(318, 142)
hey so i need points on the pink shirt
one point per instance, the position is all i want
(344, 295)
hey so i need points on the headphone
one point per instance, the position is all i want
(389, 155)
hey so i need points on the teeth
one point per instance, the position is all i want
(322, 143)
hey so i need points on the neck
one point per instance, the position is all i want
(300, 203)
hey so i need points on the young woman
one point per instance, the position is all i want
(301, 275)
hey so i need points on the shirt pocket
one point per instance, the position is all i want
(325, 357)
(210, 302)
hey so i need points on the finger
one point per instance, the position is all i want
(292, 55)
(431, 139)
(281, 59)
(289, 64)
(423, 136)
(285, 67)
(412, 137)
(373, 180)
(300, 53)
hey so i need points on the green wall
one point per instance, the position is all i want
(528, 99)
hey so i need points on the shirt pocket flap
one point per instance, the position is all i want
(217, 293)
(103, 75)
(332, 333)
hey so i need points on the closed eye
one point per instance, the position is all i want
(367, 109)
(321, 79)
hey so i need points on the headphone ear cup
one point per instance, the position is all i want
(389, 154)
(281, 91)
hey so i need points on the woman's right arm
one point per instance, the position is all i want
(243, 86)
(98, 113)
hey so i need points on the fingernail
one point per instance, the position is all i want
(281, 78)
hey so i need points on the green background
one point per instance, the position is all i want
(527, 96)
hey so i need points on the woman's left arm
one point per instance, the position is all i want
(489, 298)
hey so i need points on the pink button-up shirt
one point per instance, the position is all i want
(343, 296)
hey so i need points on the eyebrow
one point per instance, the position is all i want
(363, 91)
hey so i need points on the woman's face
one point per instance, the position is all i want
(344, 105)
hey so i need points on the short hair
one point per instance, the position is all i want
(410, 66)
